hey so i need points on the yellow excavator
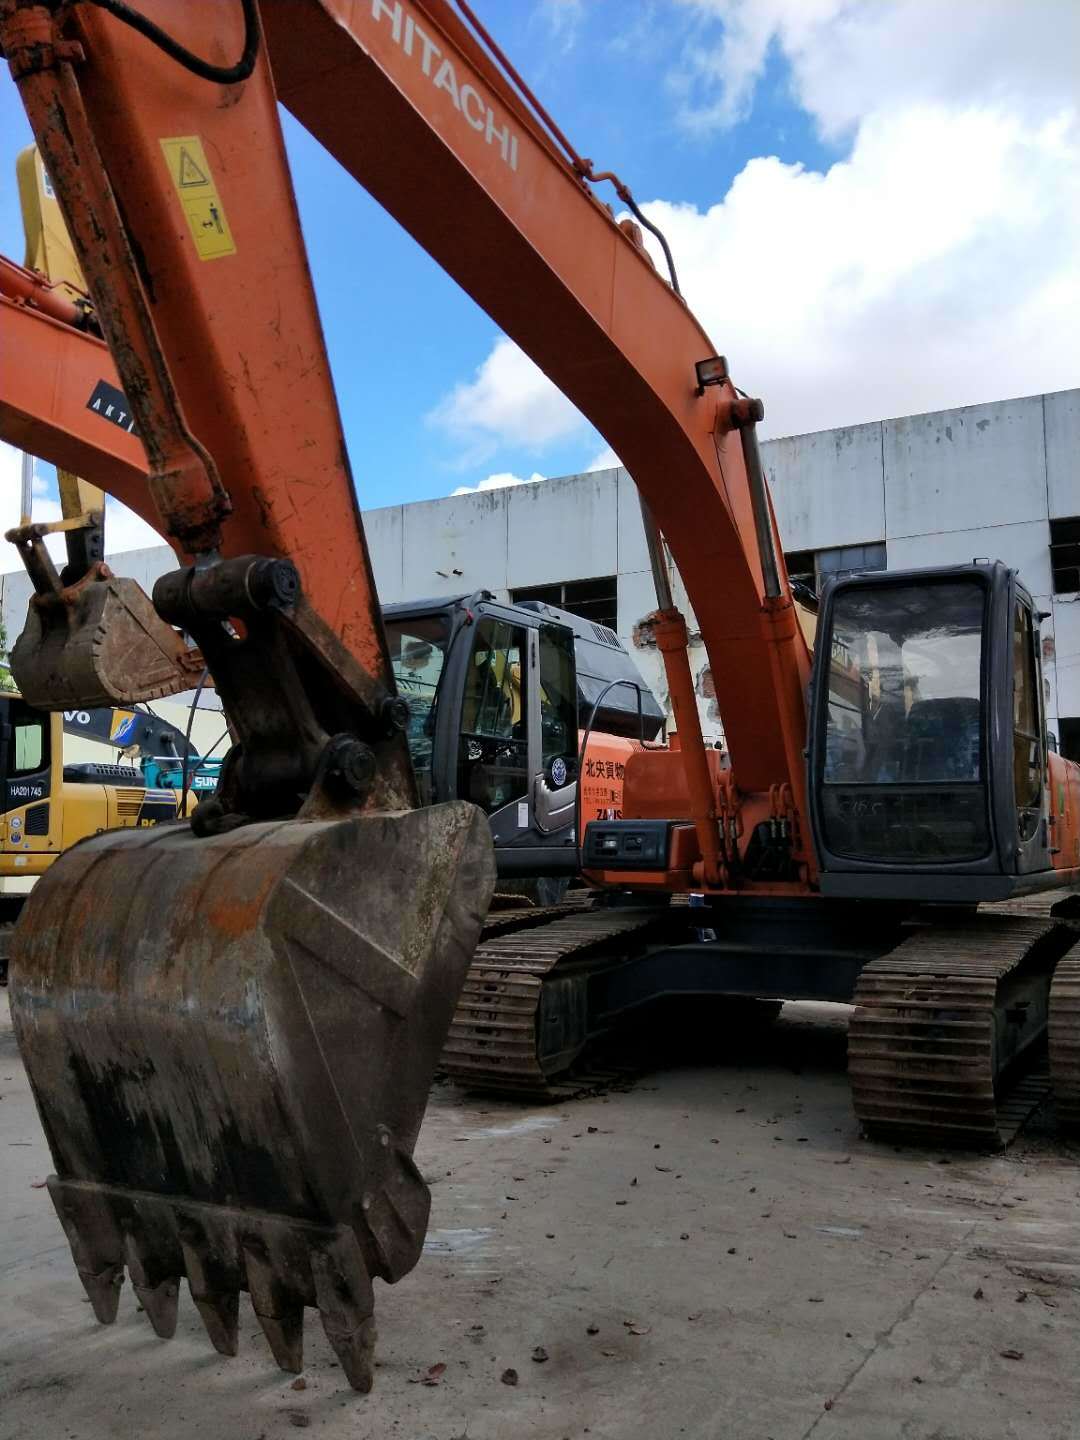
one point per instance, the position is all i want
(50, 801)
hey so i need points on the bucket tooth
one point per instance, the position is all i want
(96, 1245)
(285, 1335)
(158, 1294)
(103, 1290)
(278, 1310)
(161, 1303)
(220, 1315)
(346, 1304)
(214, 1281)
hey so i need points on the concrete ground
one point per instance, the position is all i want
(712, 1252)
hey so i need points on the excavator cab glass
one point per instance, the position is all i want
(928, 749)
(902, 768)
(24, 753)
(26, 737)
(494, 755)
(417, 645)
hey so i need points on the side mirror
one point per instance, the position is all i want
(1051, 741)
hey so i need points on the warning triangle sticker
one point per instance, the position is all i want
(189, 172)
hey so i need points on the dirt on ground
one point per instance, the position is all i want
(711, 1252)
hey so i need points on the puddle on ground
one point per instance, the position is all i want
(456, 1242)
(523, 1126)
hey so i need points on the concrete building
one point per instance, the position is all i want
(1000, 481)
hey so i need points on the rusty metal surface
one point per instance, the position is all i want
(495, 1040)
(1065, 1040)
(941, 1024)
(231, 1042)
(99, 643)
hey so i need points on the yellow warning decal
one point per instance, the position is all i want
(190, 172)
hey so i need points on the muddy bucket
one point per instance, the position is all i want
(99, 643)
(230, 1041)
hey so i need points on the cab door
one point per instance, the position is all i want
(493, 747)
(509, 709)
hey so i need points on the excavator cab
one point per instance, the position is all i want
(929, 760)
(30, 828)
(499, 696)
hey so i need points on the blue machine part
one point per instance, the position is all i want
(163, 772)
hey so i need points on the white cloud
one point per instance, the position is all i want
(499, 482)
(124, 530)
(853, 58)
(564, 19)
(937, 264)
(42, 507)
(509, 402)
(606, 459)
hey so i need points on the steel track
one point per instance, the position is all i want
(495, 1041)
(942, 1026)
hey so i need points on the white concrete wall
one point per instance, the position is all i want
(828, 488)
(1062, 421)
(937, 489)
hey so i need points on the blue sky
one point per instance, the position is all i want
(788, 147)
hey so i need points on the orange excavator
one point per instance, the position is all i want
(230, 1025)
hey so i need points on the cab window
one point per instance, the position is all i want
(493, 764)
(28, 749)
(417, 646)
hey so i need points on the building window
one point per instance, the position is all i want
(1069, 738)
(813, 567)
(802, 568)
(1065, 555)
(595, 600)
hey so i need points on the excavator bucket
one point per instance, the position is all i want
(231, 1041)
(99, 643)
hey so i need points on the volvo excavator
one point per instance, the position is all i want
(49, 802)
(232, 1069)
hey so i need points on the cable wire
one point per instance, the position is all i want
(219, 74)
